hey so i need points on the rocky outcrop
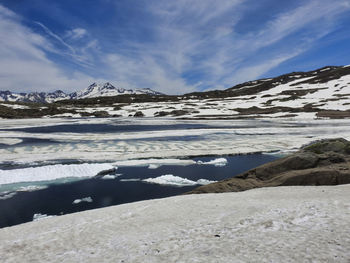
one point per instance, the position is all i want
(325, 162)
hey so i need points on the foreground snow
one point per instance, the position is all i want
(289, 224)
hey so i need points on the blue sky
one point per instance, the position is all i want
(169, 46)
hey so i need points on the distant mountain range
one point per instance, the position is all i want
(321, 93)
(93, 91)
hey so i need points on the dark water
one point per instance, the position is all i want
(102, 128)
(57, 199)
(128, 127)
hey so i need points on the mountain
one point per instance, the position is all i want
(321, 93)
(93, 91)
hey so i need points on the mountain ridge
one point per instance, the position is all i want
(92, 91)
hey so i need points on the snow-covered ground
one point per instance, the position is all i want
(283, 224)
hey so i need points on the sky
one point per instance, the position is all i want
(174, 47)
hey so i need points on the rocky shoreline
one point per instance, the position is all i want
(325, 162)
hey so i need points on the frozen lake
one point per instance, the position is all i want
(98, 140)
(48, 166)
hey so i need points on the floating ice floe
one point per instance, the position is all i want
(169, 179)
(110, 176)
(85, 199)
(52, 172)
(7, 195)
(217, 162)
(153, 166)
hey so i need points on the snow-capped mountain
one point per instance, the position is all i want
(94, 90)
(42, 97)
(107, 90)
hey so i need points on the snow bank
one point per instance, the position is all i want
(217, 162)
(282, 224)
(169, 179)
(52, 172)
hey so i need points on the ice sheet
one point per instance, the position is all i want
(52, 172)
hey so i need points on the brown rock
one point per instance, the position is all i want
(325, 162)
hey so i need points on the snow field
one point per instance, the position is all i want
(289, 224)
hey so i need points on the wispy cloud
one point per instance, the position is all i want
(24, 64)
(79, 53)
(200, 40)
(56, 37)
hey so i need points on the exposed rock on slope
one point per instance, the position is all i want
(326, 162)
